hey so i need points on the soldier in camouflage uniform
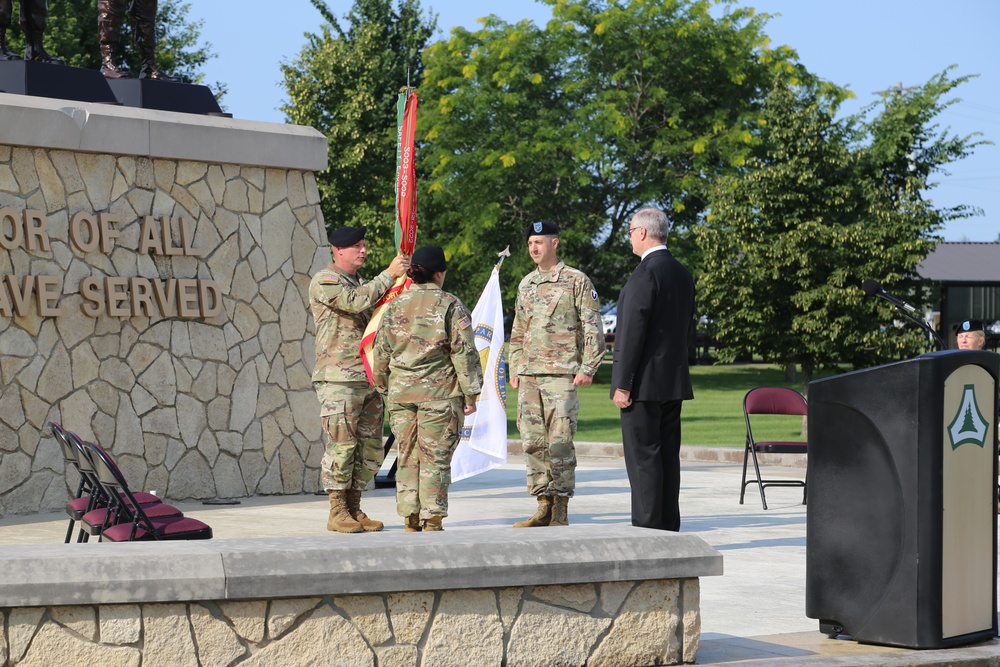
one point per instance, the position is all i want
(425, 361)
(556, 345)
(351, 410)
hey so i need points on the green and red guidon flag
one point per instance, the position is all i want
(406, 173)
(406, 211)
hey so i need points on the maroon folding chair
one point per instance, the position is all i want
(88, 493)
(99, 512)
(134, 520)
(771, 401)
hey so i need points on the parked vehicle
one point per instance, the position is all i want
(609, 318)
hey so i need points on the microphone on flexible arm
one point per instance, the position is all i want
(874, 288)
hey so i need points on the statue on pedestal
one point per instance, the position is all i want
(34, 15)
(142, 16)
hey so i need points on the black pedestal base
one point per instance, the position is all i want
(27, 77)
(165, 96)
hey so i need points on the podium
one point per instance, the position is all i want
(901, 526)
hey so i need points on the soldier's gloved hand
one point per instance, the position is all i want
(399, 265)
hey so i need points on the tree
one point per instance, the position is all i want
(820, 206)
(345, 83)
(612, 106)
(72, 36)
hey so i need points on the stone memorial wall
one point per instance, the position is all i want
(589, 594)
(154, 270)
(626, 624)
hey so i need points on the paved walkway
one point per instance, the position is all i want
(754, 612)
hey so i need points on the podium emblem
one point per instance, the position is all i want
(968, 426)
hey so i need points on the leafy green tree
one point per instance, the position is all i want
(345, 83)
(72, 36)
(613, 105)
(821, 205)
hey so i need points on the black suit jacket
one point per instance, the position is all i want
(655, 318)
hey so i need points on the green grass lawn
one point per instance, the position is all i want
(714, 417)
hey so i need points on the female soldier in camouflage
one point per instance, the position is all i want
(425, 361)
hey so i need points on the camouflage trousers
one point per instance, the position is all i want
(352, 424)
(547, 410)
(426, 437)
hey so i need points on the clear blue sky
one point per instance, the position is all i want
(865, 45)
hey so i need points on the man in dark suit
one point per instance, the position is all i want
(650, 378)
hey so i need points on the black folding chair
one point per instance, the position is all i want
(771, 401)
(134, 521)
(100, 513)
(88, 494)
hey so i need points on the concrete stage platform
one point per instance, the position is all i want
(754, 613)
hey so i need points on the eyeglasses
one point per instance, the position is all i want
(632, 229)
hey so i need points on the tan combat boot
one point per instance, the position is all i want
(413, 523)
(560, 511)
(340, 520)
(433, 525)
(354, 507)
(541, 517)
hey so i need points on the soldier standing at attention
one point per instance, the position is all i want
(556, 345)
(351, 409)
(425, 361)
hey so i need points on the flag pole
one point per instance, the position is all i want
(405, 229)
(501, 256)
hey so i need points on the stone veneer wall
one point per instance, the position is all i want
(190, 407)
(618, 623)
(584, 594)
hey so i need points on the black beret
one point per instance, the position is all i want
(431, 257)
(345, 237)
(970, 325)
(540, 228)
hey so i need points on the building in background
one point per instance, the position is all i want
(967, 280)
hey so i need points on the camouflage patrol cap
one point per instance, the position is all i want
(431, 257)
(345, 237)
(540, 228)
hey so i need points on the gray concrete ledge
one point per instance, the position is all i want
(41, 122)
(704, 453)
(81, 574)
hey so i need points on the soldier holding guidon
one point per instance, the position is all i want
(556, 345)
(351, 410)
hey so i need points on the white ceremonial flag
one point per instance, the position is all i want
(483, 445)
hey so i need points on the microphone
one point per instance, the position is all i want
(873, 288)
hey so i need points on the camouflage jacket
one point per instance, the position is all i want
(341, 307)
(557, 326)
(425, 349)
